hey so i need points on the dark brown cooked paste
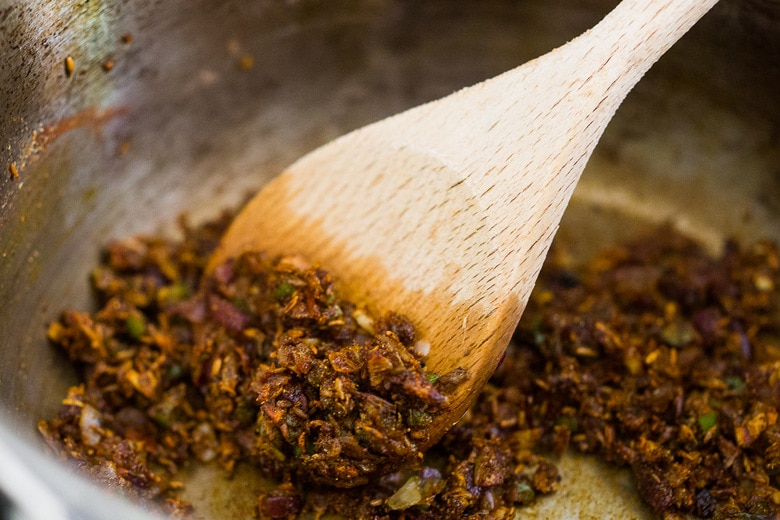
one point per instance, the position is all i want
(258, 360)
(667, 361)
(655, 356)
(335, 396)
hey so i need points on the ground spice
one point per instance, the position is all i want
(654, 355)
(70, 66)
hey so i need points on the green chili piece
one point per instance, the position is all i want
(240, 304)
(708, 421)
(244, 412)
(162, 420)
(174, 293)
(175, 372)
(135, 326)
(568, 421)
(525, 493)
(284, 290)
(736, 384)
(277, 454)
(419, 419)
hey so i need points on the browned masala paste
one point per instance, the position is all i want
(654, 355)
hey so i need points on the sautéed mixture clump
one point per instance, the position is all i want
(654, 355)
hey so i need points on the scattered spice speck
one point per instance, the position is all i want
(70, 66)
(247, 62)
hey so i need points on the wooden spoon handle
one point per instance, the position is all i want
(573, 89)
(564, 99)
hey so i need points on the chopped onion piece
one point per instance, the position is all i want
(422, 348)
(364, 320)
(88, 422)
(407, 495)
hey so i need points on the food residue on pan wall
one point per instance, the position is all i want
(92, 118)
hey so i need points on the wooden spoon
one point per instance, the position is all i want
(445, 212)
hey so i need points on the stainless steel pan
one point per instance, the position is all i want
(174, 105)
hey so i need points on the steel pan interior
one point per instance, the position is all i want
(208, 99)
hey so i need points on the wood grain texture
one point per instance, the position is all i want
(445, 212)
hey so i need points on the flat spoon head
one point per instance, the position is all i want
(446, 212)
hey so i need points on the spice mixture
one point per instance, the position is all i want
(654, 355)
(667, 361)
